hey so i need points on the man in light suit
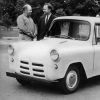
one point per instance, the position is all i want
(45, 21)
(26, 25)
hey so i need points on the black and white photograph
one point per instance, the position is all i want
(49, 50)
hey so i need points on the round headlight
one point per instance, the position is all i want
(54, 55)
(10, 50)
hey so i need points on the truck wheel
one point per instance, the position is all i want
(70, 83)
(23, 81)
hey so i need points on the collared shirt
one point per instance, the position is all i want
(26, 24)
(47, 18)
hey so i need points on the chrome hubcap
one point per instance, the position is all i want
(71, 79)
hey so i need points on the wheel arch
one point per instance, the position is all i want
(79, 66)
(82, 77)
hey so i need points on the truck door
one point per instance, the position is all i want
(97, 50)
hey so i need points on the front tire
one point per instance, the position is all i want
(70, 83)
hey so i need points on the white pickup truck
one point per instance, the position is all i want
(69, 55)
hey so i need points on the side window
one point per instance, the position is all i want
(65, 28)
(97, 27)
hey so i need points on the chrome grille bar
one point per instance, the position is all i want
(39, 65)
(25, 72)
(38, 70)
(24, 67)
(24, 62)
(39, 75)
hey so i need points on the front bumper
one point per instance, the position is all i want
(16, 75)
(11, 74)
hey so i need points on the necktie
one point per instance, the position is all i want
(46, 20)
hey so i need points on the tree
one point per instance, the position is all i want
(19, 5)
(70, 7)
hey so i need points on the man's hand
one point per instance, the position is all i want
(30, 34)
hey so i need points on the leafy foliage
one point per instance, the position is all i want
(61, 7)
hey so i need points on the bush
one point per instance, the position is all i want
(6, 21)
(61, 7)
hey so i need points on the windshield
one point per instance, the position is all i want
(73, 29)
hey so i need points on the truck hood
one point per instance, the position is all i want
(49, 43)
(46, 45)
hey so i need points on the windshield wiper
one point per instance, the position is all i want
(69, 37)
(55, 36)
(63, 36)
(66, 37)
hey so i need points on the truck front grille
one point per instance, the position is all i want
(32, 69)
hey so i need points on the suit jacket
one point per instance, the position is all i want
(42, 27)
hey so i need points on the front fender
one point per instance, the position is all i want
(83, 55)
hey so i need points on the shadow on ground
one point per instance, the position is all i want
(50, 88)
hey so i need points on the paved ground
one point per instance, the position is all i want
(10, 89)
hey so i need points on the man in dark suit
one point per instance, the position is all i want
(45, 21)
